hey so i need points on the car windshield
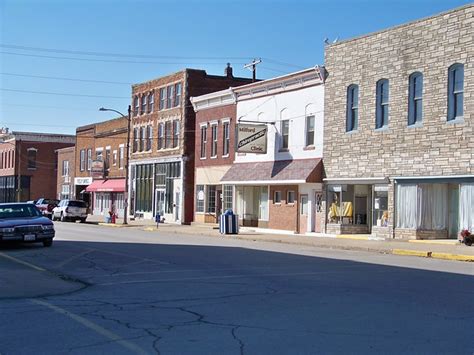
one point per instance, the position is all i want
(19, 211)
(77, 204)
(50, 201)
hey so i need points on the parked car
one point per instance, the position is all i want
(24, 222)
(46, 205)
(70, 210)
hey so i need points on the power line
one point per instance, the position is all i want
(283, 63)
(108, 54)
(63, 94)
(67, 79)
(109, 60)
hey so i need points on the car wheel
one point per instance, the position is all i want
(83, 220)
(63, 218)
(47, 242)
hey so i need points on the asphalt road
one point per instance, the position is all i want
(102, 290)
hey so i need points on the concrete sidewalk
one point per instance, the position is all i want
(445, 249)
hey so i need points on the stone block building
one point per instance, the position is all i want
(398, 132)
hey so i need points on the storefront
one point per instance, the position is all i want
(107, 196)
(80, 186)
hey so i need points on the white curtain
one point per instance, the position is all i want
(466, 207)
(406, 206)
(432, 206)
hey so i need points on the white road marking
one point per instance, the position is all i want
(96, 328)
(18, 261)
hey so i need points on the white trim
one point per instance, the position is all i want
(122, 145)
(108, 147)
(373, 180)
(432, 177)
(203, 124)
(225, 120)
(100, 149)
(263, 182)
(35, 149)
(214, 123)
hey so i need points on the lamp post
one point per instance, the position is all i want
(125, 211)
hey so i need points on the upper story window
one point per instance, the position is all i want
(114, 158)
(214, 140)
(309, 130)
(151, 102)
(89, 159)
(203, 141)
(176, 131)
(226, 138)
(82, 157)
(162, 98)
(135, 106)
(144, 105)
(415, 98)
(170, 96)
(381, 112)
(121, 156)
(455, 91)
(98, 154)
(149, 137)
(168, 134)
(143, 138)
(161, 130)
(107, 158)
(32, 158)
(277, 197)
(352, 113)
(177, 98)
(65, 171)
(135, 140)
(285, 133)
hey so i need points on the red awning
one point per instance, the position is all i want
(111, 185)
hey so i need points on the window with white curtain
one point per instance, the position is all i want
(466, 207)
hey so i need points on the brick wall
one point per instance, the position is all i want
(283, 216)
(430, 46)
(69, 155)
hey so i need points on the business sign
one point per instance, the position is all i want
(251, 138)
(83, 181)
(97, 169)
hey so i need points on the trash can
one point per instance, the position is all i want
(229, 223)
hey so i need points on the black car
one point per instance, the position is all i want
(23, 222)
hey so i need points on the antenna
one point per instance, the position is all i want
(253, 65)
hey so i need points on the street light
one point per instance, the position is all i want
(125, 212)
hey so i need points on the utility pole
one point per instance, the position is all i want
(253, 65)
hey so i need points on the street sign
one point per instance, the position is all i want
(251, 138)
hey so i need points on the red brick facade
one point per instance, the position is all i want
(284, 215)
(65, 173)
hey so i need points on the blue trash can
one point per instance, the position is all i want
(229, 223)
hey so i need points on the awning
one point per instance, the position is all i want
(275, 172)
(110, 185)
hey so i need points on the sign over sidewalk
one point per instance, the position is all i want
(251, 138)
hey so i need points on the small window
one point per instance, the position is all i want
(135, 106)
(135, 140)
(65, 171)
(415, 98)
(114, 158)
(381, 119)
(107, 158)
(285, 133)
(144, 105)
(168, 134)
(290, 198)
(162, 98)
(177, 98)
(277, 197)
(98, 155)
(200, 198)
(121, 157)
(203, 141)
(82, 165)
(352, 114)
(214, 141)
(455, 91)
(226, 138)
(170, 96)
(309, 130)
(304, 205)
(149, 137)
(31, 158)
(89, 159)
(143, 133)
(151, 102)
(161, 133)
(176, 131)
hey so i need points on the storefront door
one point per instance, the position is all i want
(303, 215)
(160, 202)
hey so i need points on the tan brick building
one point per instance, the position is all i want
(398, 132)
(99, 170)
(65, 173)
(28, 164)
(163, 142)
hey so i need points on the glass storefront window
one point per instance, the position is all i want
(380, 206)
(348, 204)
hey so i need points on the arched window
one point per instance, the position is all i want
(381, 112)
(352, 114)
(455, 91)
(415, 98)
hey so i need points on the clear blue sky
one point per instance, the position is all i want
(288, 35)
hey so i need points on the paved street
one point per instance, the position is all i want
(125, 291)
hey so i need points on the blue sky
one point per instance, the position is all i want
(153, 38)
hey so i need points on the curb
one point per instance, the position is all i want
(433, 255)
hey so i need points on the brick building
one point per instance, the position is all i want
(282, 188)
(28, 164)
(214, 153)
(398, 133)
(99, 170)
(65, 173)
(162, 142)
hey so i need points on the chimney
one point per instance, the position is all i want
(228, 71)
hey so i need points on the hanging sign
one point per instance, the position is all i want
(251, 138)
